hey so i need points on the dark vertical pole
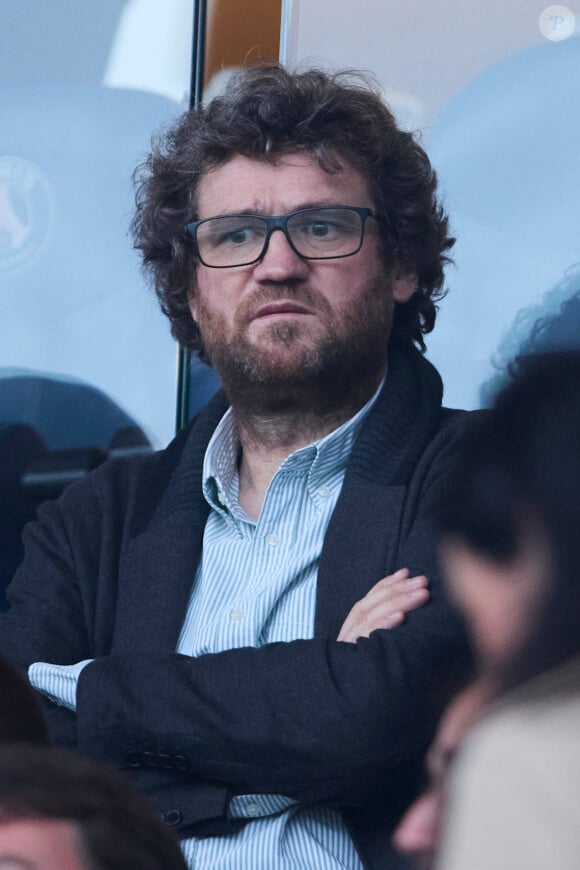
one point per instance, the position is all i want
(195, 96)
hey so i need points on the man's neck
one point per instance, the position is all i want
(268, 439)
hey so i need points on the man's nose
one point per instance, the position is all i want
(280, 262)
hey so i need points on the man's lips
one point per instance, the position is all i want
(279, 308)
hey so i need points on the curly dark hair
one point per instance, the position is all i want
(264, 112)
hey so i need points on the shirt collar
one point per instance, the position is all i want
(321, 459)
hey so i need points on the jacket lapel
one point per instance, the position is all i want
(359, 549)
(362, 538)
(161, 560)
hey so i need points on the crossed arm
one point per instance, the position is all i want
(316, 720)
(384, 607)
(307, 719)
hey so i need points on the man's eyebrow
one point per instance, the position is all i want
(259, 212)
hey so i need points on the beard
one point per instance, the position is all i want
(294, 367)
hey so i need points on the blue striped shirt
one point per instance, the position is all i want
(256, 584)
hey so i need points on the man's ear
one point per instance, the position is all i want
(192, 302)
(404, 285)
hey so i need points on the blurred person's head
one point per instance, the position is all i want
(268, 114)
(21, 719)
(61, 812)
(511, 542)
(417, 834)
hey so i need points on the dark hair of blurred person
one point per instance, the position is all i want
(61, 812)
(511, 556)
(513, 509)
(21, 718)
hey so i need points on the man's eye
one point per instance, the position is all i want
(321, 230)
(327, 231)
(238, 237)
(235, 238)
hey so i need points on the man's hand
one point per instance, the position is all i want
(385, 605)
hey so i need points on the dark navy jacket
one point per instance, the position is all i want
(108, 573)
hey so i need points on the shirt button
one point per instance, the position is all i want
(173, 817)
(324, 492)
(273, 540)
(253, 810)
(237, 615)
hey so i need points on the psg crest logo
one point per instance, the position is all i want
(26, 207)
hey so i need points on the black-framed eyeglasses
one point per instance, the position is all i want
(324, 233)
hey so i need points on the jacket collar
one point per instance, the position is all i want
(400, 424)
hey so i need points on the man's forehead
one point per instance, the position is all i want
(297, 157)
(290, 180)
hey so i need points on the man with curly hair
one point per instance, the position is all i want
(242, 620)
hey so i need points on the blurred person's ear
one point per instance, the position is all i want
(417, 833)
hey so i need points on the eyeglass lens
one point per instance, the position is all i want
(314, 233)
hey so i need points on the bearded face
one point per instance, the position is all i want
(288, 331)
(291, 359)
